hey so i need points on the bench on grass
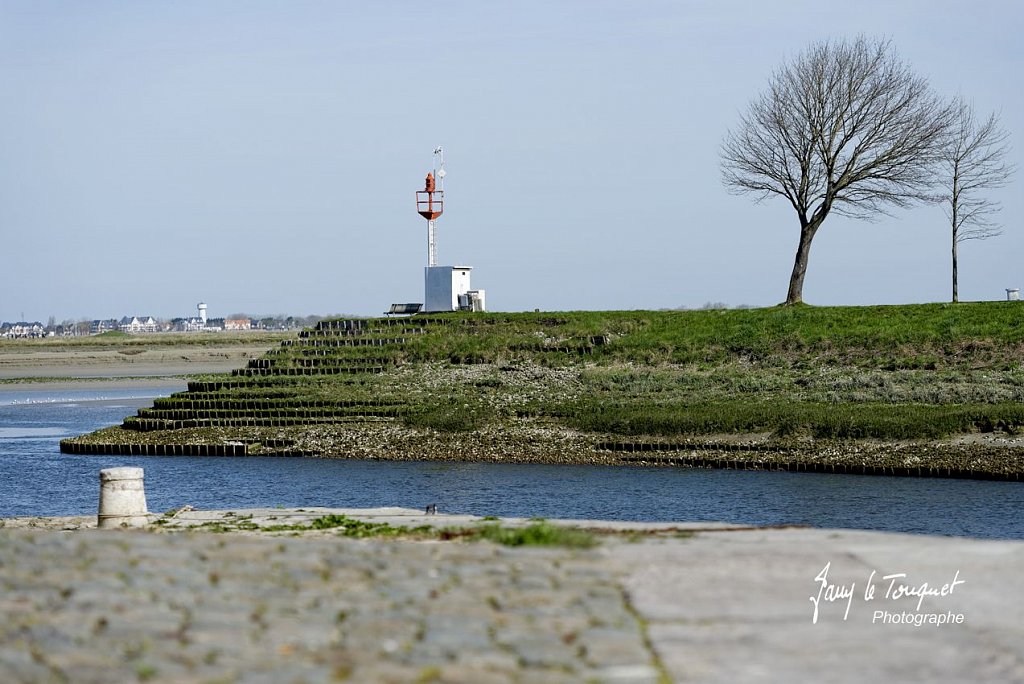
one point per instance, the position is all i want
(407, 309)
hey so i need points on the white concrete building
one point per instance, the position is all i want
(443, 286)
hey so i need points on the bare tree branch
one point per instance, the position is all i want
(845, 127)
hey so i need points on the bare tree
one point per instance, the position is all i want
(974, 161)
(844, 127)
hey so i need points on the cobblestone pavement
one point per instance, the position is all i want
(119, 606)
(656, 605)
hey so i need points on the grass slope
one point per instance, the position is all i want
(836, 373)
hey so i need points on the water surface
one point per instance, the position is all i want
(36, 479)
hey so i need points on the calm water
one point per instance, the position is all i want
(36, 479)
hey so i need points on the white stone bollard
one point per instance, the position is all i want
(122, 498)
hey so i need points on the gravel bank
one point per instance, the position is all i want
(531, 441)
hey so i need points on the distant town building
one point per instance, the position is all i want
(101, 326)
(149, 324)
(237, 324)
(21, 329)
(136, 324)
(192, 324)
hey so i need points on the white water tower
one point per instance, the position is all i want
(202, 312)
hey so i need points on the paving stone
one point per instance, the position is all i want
(203, 607)
(606, 647)
(178, 606)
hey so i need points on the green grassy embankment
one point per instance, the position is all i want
(898, 385)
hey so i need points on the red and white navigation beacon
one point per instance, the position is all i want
(446, 288)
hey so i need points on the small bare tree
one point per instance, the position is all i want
(844, 127)
(974, 161)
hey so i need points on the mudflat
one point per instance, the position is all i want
(145, 358)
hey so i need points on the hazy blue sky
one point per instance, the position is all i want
(262, 156)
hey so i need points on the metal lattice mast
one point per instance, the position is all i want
(431, 244)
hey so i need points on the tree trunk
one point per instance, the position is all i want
(955, 297)
(954, 206)
(803, 251)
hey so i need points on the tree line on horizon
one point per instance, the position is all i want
(846, 127)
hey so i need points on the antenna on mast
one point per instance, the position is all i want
(439, 171)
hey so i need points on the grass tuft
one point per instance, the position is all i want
(537, 534)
